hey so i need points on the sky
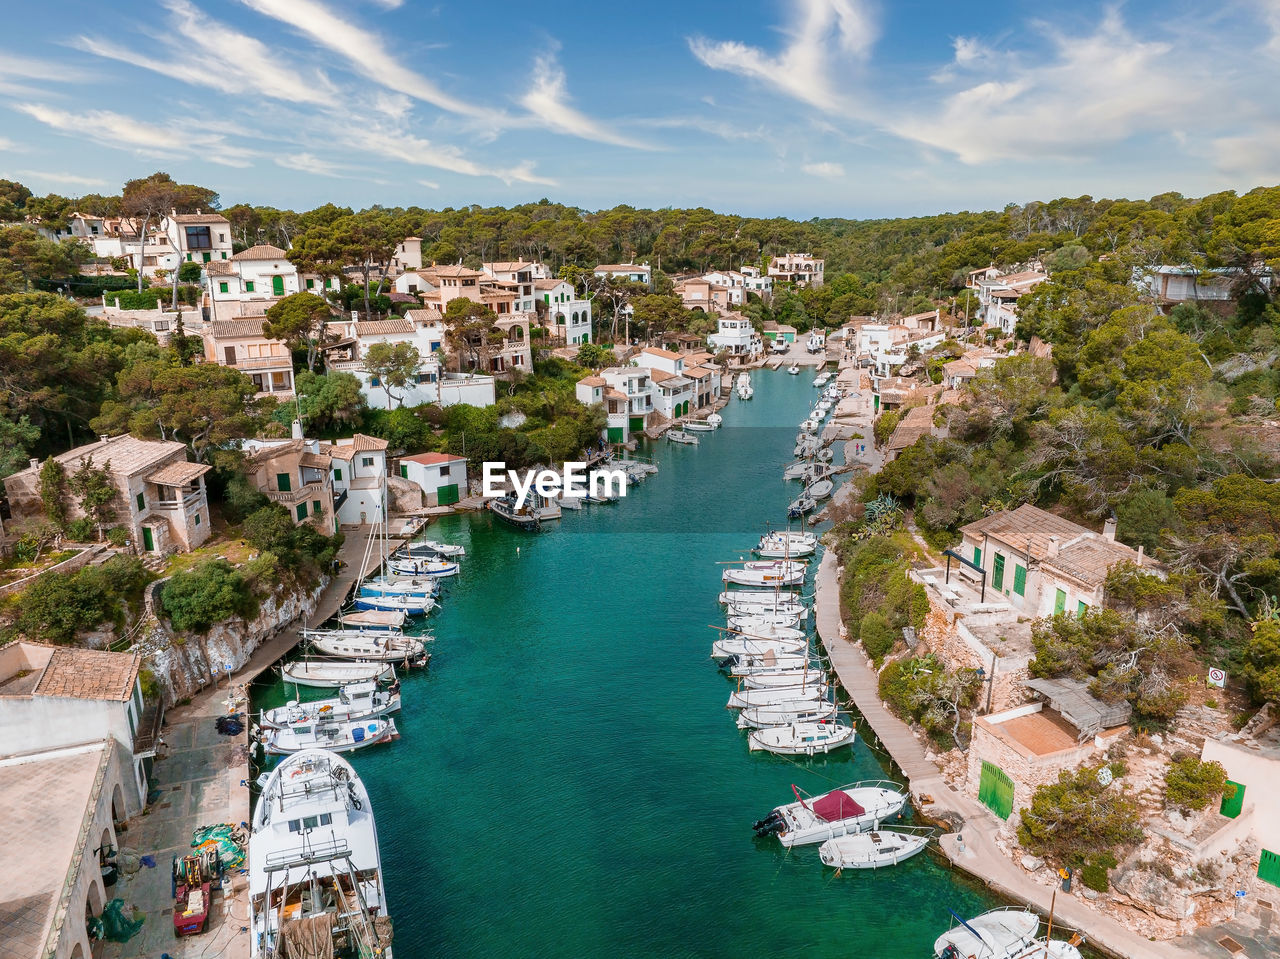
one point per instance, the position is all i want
(851, 108)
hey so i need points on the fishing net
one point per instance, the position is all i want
(113, 925)
(225, 839)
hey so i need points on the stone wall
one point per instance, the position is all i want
(946, 634)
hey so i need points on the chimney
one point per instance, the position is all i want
(35, 463)
(1109, 529)
(296, 433)
(104, 437)
(1052, 551)
(1141, 550)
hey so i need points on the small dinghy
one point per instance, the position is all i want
(700, 426)
(330, 673)
(849, 809)
(786, 713)
(825, 455)
(802, 506)
(802, 739)
(355, 702)
(765, 574)
(407, 605)
(730, 648)
(374, 620)
(794, 369)
(435, 568)
(338, 737)
(810, 426)
(806, 446)
(747, 698)
(872, 850)
(795, 471)
(715, 420)
(820, 490)
(680, 436)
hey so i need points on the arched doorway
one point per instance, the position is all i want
(118, 813)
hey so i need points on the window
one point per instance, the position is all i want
(248, 286)
(337, 475)
(199, 238)
(197, 519)
(1019, 579)
(374, 381)
(223, 288)
(997, 573)
(311, 284)
(224, 254)
(188, 257)
(302, 511)
(316, 508)
(1059, 601)
(142, 502)
(977, 556)
(366, 461)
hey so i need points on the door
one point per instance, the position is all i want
(997, 574)
(977, 556)
(229, 354)
(284, 483)
(447, 495)
(1059, 601)
(148, 540)
(277, 286)
(1269, 867)
(1231, 806)
(995, 790)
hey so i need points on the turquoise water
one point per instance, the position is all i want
(568, 781)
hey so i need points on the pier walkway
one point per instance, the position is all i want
(973, 846)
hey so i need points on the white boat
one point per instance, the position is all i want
(407, 605)
(400, 586)
(1009, 933)
(746, 392)
(571, 502)
(389, 620)
(786, 713)
(765, 574)
(802, 739)
(354, 702)
(435, 568)
(810, 426)
(793, 369)
(370, 647)
(698, 426)
(849, 809)
(807, 446)
(333, 735)
(872, 850)
(730, 648)
(825, 455)
(715, 420)
(767, 663)
(749, 698)
(734, 597)
(801, 506)
(821, 379)
(764, 621)
(330, 674)
(795, 471)
(778, 346)
(527, 517)
(820, 490)
(784, 677)
(760, 628)
(775, 549)
(429, 548)
(315, 872)
(768, 604)
(680, 436)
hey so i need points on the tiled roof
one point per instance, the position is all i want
(460, 271)
(615, 395)
(200, 218)
(550, 284)
(622, 268)
(661, 376)
(128, 454)
(89, 674)
(177, 474)
(384, 327)
(219, 268)
(263, 251)
(364, 444)
(917, 422)
(509, 266)
(593, 381)
(697, 373)
(432, 459)
(236, 329)
(426, 316)
(665, 354)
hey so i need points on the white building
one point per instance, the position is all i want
(736, 336)
(757, 282)
(673, 394)
(359, 474)
(568, 315)
(520, 275)
(631, 392)
(802, 269)
(254, 280)
(407, 255)
(1171, 285)
(198, 237)
(634, 272)
(441, 476)
(998, 296)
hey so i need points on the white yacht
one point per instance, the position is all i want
(784, 544)
(748, 605)
(794, 369)
(731, 597)
(821, 379)
(680, 436)
(331, 735)
(764, 623)
(779, 678)
(849, 809)
(354, 702)
(786, 713)
(377, 647)
(410, 566)
(429, 548)
(1009, 933)
(802, 739)
(408, 605)
(872, 850)
(315, 872)
(330, 674)
(731, 649)
(750, 698)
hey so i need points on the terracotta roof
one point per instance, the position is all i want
(236, 329)
(697, 373)
(509, 266)
(425, 316)
(661, 376)
(364, 443)
(622, 267)
(593, 381)
(917, 422)
(384, 327)
(263, 251)
(550, 284)
(402, 298)
(219, 268)
(460, 271)
(315, 460)
(432, 459)
(615, 395)
(177, 474)
(665, 354)
(200, 218)
(89, 674)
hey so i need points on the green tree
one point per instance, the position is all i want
(1077, 818)
(29, 260)
(329, 401)
(53, 491)
(97, 494)
(148, 199)
(1262, 660)
(392, 365)
(300, 321)
(212, 592)
(594, 356)
(1192, 784)
(16, 438)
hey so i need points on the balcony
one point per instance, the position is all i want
(308, 491)
(271, 363)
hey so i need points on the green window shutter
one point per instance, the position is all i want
(337, 475)
(311, 284)
(223, 288)
(188, 257)
(302, 511)
(316, 507)
(248, 286)
(995, 790)
(997, 574)
(224, 254)
(1269, 867)
(277, 286)
(1231, 806)
(283, 483)
(1081, 608)
(142, 503)
(977, 556)
(404, 471)
(1019, 579)
(206, 257)
(1059, 601)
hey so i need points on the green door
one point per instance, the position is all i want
(1231, 806)
(283, 484)
(615, 434)
(995, 790)
(637, 425)
(977, 556)
(1019, 579)
(1269, 867)
(148, 541)
(447, 495)
(277, 286)
(997, 573)
(1059, 601)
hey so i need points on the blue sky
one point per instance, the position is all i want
(805, 108)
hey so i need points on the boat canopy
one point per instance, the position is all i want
(837, 805)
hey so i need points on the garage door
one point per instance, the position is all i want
(995, 790)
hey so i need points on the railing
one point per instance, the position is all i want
(263, 363)
(304, 491)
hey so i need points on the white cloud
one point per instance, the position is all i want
(122, 132)
(422, 152)
(7, 145)
(64, 179)
(832, 171)
(548, 101)
(309, 163)
(429, 184)
(802, 69)
(968, 50)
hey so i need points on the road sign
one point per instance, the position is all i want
(1240, 894)
(1217, 677)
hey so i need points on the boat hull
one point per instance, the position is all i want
(332, 675)
(802, 739)
(870, 850)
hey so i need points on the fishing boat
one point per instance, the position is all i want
(315, 872)
(369, 647)
(766, 663)
(700, 426)
(784, 677)
(332, 735)
(849, 809)
(430, 549)
(406, 605)
(825, 455)
(786, 713)
(809, 426)
(354, 702)
(1008, 933)
(767, 604)
(802, 739)
(680, 436)
(821, 379)
(746, 392)
(566, 501)
(752, 625)
(733, 597)
(787, 543)
(807, 446)
(795, 471)
(748, 698)
(802, 506)
(875, 849)
(527, 517)
(729, 648)
(435, 568)
(374, 620)
(715, 420)
(330, 673)
(820, 490)
(765, 574)
(794, 369)
(408, 586)
(758, 627)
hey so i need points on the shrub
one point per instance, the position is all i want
(212, 592)
(58, 606)
(884, 426)
(118, 535)
(1077, 818)
(876, 635)
(189, 273)
(81, 530)
(301, 548)
(1094, 874)
(1192, 784)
